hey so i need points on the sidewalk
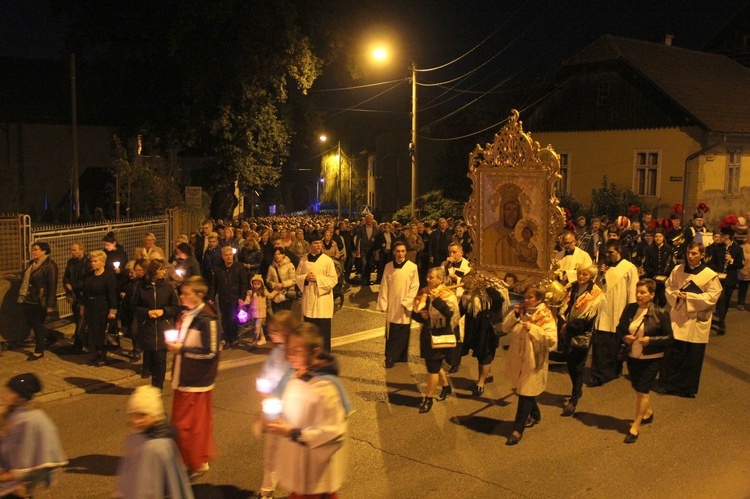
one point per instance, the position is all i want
(65, 374)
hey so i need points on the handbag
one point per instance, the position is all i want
(283, 294)
(581, 341)
(624, 351)
(443, 340)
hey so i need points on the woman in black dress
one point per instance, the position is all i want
(648, 330)
(99, 306)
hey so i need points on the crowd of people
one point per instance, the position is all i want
(643, 293)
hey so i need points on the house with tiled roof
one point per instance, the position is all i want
(671, 124)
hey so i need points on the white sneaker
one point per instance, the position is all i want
(202, 469)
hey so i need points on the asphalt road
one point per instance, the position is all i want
(695, 448)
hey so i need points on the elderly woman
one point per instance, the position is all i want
(99, 306)
(436, 308)
(533, 333)
(647, 329)
(579, 313)
(38, 294)
(149, 250)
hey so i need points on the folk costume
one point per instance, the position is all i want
(480, 309)
(691, 325)
(528, 358)
(579, 313)
(618, 283)
(317, 295)
(398, 289)
(193, 377)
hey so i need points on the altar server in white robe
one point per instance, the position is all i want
(571, 257)
(618, 279)
(398, 289)
(316, 277)
(692, 291)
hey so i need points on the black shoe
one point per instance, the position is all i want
(93, 358)
(101, 362)
(721, 332)
(514, 440)
(426, 405)
(389, 364)
(454, 369)
(648, 420)
(489, 379)
(568, 410)
(478, 390)
(532, 422)
(505, 347)
(631, 438)
(444, 393)
(135, 357)
(35, 356)
(145, 374)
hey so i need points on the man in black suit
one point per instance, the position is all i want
(727, 264)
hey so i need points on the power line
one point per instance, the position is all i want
(484, 129)
(355, 86)
(367, 100)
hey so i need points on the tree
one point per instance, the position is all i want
(209, 78)
(611, 201)
(433, 206)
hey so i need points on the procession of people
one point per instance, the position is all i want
(633, 296)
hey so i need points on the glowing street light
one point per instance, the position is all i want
(381, 54)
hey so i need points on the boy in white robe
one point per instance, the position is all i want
(316, 277)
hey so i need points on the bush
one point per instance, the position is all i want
(611, 201)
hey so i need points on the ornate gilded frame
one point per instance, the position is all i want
(514, 186)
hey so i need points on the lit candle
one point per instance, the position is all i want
(116, 265)
(170, 335)
(272, 408)
(263, 386)
(178, 272)
(234, 250)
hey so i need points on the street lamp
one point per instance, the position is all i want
(380, 54)
(324, 138)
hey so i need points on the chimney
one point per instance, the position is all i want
(668, 40)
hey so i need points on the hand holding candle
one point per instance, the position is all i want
(272, 408)
(263, 386)
(116, 265)
(171, 335)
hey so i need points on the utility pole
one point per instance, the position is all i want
(413, 145)
(75, 195)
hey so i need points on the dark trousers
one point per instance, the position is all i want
(78, 340)
(742, 292)
(722, 306)
(365, 259)
(605, 366)
(155, 362)
(384, 258)
(527, 406)
(35, 317)
(228, 313)
(661, 294)
(325, 329)
(397, 342)
(576, 364)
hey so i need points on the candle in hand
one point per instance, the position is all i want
(263, 385)
(178, 272)
(170, 335)
(272, 408)
(116, 265)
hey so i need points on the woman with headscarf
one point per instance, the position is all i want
(30, 448)
(38, 294)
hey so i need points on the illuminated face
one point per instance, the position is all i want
(138, 271)
(646, 219)
(659, 238)
(717, 238)
(278, 256)
(76, 251)
(37, 253)
(595, 225)
(213, 242)
(649, 238)
(569, 241)
(694, 257)
(456, 253)
(207, 229)
(149, 242)
(256, 284)
(108, 246)
(530, 300)
(526, 234)
(613, 255)
(443, 224)
(460, 230)
(433, 280)
(676, 223)
(643, 296)
(511, 214)
(316, 247)
(227, 256)
(97, 264)
(698, 222)
(399, 253)
(161, 273)
(583, 276)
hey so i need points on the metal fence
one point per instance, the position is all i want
(14, 230)
(129, 234)
(17, 235)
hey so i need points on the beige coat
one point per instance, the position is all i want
(528, 354)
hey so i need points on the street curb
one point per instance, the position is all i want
(223, 366)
